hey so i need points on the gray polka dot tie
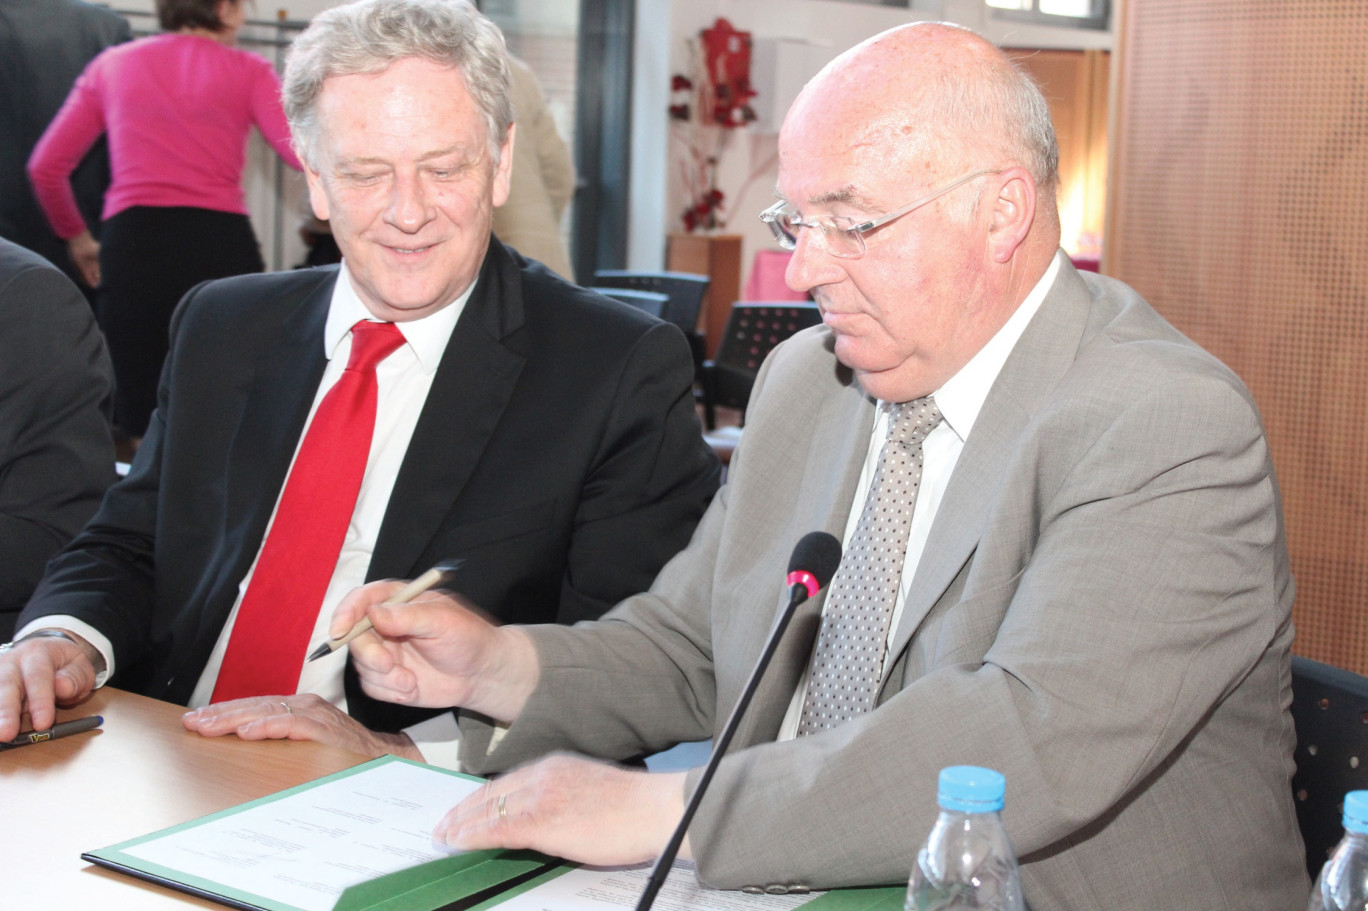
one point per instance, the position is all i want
(850, 646)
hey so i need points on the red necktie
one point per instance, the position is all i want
(280, 608)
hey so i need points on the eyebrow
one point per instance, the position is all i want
(847, 194)
(427, 156)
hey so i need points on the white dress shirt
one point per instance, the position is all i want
(960, 399)
(403, 378)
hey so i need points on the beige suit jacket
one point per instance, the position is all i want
(1102, 612)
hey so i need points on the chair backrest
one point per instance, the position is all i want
(1330, 710)
(685, 291)
(652, 302)
(755, 327)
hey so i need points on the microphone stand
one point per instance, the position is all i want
(798, 593)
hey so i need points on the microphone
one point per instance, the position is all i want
(811, 567)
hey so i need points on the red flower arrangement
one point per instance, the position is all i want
(705, 110)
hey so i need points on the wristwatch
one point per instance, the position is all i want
(39, 634)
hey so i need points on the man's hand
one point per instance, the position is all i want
(572, 807)
(438, 652)
(37, 675)
(302, 717)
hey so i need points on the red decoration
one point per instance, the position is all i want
(727, 55)
(707, 105)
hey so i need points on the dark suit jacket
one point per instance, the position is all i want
(44, 46)
(558, 453)
(56, 452)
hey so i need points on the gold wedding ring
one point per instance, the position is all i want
(503, 807)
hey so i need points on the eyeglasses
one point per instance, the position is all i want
(841, 235)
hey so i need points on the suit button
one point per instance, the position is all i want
(777, 889)
(753, 890)
(798, 889)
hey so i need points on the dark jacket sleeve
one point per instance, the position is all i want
(56, 452)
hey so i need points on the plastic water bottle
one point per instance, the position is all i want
(967, 861)
(1343, 881)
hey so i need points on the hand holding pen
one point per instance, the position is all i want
(435, 576)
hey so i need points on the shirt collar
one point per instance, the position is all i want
(427, 337)
(962, 396)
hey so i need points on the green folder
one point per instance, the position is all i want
(440, 883)
(473, 881)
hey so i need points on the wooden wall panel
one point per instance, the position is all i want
(1075, 84)
(1239, 208)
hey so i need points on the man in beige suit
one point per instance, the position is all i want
(1094, 597)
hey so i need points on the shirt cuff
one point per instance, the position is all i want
(82, 629)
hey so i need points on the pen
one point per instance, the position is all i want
(61, 729)
(415, 588)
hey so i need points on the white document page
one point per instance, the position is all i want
(602, 888)
(304, 849)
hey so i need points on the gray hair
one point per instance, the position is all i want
(367, 36)
(1004, 103)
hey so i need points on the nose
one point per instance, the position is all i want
(810, 266)
(408, 208)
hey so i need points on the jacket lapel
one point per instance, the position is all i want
(284, 382)
(474, 382)
(1042, 355)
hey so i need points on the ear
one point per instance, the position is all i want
(503, 174)
(1011, 213)
(318, 199)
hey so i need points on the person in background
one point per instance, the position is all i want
(44, 45)
(1065, 557)
(543, 180)
(432, 398)
(56, 390)
(177, 108)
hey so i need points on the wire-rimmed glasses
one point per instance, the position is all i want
(841, 235)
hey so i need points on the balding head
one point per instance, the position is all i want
(933, 93)
(924, 113)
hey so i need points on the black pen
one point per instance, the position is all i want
(434, 576)
(60, 729)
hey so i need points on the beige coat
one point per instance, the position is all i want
(543, 180)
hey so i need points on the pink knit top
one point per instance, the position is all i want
(178, 109)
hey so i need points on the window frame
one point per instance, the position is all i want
(1100, 19)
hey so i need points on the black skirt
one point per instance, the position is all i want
(149, 257)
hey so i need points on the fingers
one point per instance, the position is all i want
(228, 717)
(90, 271)
(38, 675)
(570, 807)
(485, 819)
(353, 607)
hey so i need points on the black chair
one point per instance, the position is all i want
(651, 302)
(753, 329)
(685, 291)
(1330, 711)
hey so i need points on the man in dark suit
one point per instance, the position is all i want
(56, 452)
(44, 46)
(540, 433)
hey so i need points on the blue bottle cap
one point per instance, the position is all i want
(1356, 811)
(970, 789)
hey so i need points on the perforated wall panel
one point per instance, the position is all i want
(1239, 207)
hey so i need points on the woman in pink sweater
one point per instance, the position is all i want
(178, 108)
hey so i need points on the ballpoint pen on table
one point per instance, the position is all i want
(60, 729)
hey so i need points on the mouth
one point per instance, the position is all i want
(408, 251)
